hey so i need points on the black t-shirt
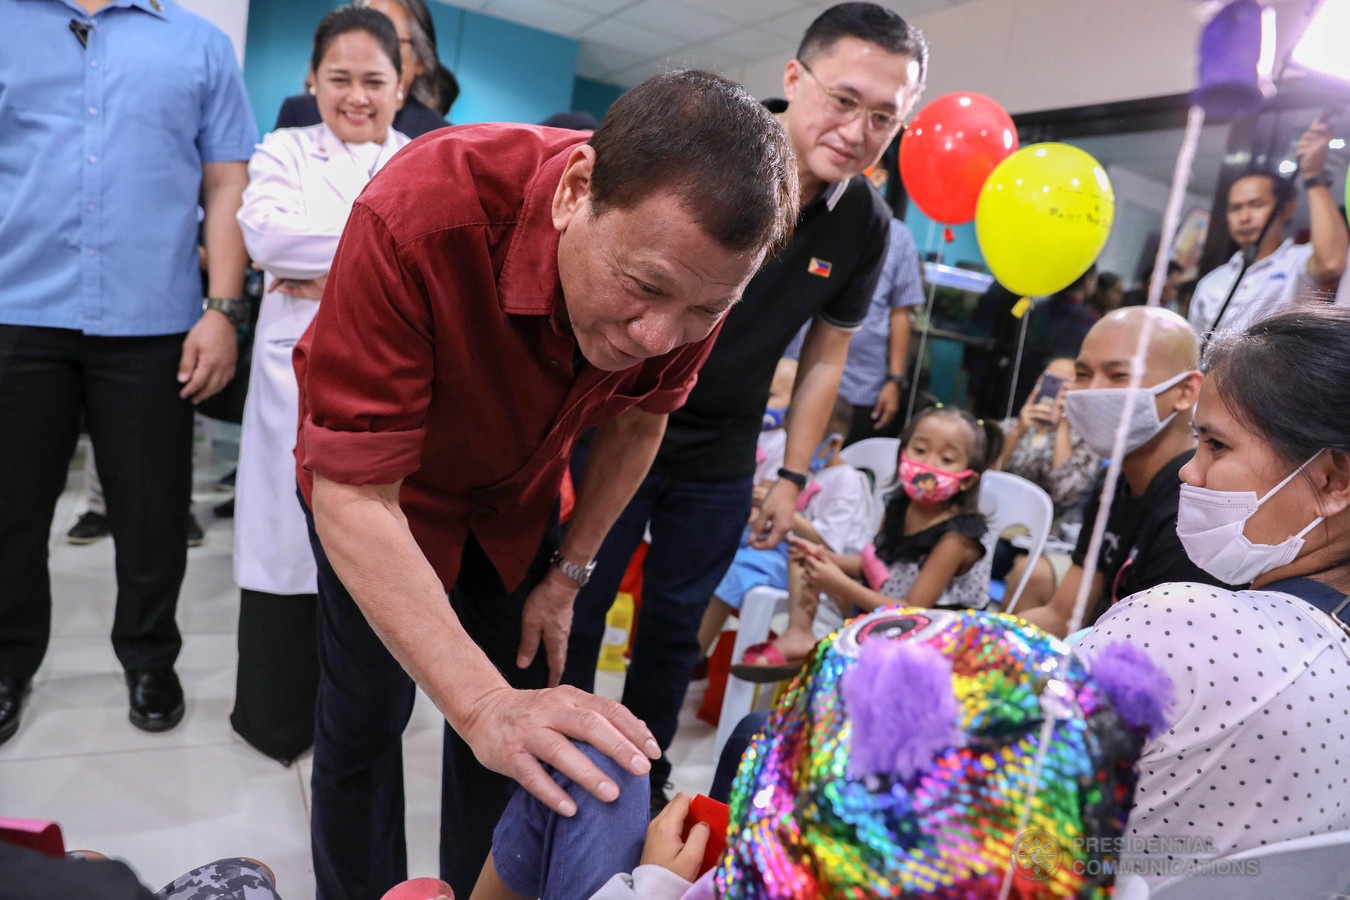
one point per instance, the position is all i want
(829, 270)
(414, 119)
(1140, 548)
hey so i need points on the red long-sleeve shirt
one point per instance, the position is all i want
(439, 357)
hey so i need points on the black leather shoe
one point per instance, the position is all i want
(13, 691)
(156, 699)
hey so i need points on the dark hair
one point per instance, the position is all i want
(1107, 280)
(706, 140)
(1281, 187)
(866, 22)
(579, 120)
(422, 30)
(986, 445)
(841, 417)
(1285, 379)
(447, 90)
(346, 19)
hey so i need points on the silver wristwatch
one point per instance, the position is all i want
(578, 573)
(234, 308)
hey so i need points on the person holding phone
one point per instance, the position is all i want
(1043, 448)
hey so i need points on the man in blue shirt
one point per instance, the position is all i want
(117, 116)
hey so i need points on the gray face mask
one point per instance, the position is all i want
(1096, 413)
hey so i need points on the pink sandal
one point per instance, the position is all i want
(763, 663)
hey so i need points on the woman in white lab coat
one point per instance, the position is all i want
(302, 183)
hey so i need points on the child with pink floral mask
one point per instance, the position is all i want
(927, 553)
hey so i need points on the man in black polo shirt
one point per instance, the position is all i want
(857, 74)
(1140, 547)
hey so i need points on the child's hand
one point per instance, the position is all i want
(823, 574)
(800, 549)
(666, 847)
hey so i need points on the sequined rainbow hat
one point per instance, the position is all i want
(937, 754)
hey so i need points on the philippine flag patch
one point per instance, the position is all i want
(819, 267)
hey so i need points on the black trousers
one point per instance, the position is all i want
(365, 702)
(278, 673)
(127, 389)
(862, 428)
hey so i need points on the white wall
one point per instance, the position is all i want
(1032, 55)
(1140, 204)
(230, 16)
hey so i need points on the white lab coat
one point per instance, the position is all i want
(302, 183)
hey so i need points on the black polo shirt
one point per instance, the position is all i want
(1140, 548)
(829, 270)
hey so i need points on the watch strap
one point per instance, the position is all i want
(1321, 179)
(233, 308)
(578, 572)
(797, 478)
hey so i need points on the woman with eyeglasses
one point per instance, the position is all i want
(1253, 750)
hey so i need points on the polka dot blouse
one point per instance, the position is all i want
(1254, 749)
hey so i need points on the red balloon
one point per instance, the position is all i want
(948, 152)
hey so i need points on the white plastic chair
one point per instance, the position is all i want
(880, 458)
(1007, 500)
(1308, 868)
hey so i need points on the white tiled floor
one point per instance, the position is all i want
(168, 802)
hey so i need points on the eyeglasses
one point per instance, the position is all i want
(847, 108)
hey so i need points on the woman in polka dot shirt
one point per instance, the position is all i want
(1253, 752)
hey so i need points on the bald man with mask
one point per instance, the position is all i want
(1140, 548)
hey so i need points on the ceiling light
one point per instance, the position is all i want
(1321, 49)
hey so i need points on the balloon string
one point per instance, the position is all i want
(1017, 359)
(927, 323)
(1180, 179)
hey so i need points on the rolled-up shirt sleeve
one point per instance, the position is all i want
(368, 362)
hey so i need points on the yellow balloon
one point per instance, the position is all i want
(1043, 217)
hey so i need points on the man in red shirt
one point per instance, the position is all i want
(499, 289)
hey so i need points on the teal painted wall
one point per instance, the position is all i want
(276, 52)
(928, 235)
(507, 72)
(594, 97)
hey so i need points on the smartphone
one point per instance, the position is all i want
(1047, 396)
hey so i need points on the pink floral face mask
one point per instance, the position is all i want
(929, 484)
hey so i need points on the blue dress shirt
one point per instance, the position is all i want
(101, 154)
(869, 350)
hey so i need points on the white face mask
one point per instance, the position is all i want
(1095, 413)
(1210, 525)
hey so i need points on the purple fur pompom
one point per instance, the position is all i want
(1140, 691)
(902, 707)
